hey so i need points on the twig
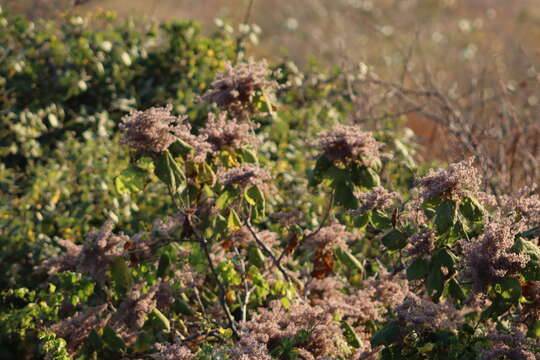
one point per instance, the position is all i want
(267, 250)
(222, 291)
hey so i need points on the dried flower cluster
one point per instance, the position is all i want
(370, 303)
(76, 329)
(422, 314)
(222, 133)
(244, 175)
(235, 89)
(378, 198)
(328, 238)
(489, 257)
(151, 130)
(421, 243)
(270, 327)
(349, 143)
(93, 257)
(524, 204)
(175, 351)
(458, 180)
(132, 312)
(514, 345)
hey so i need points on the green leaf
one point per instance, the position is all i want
(181, 148)
(182, 307)
(509, 289)
(164, 263)
(418, 270)
(228, 195)
(162, 320)
(365, 176)
(531, 272)
(233, 221)
(131, 180)
(255, 197)
(350, 335)
(248, 156)
(121, 274)
(380, 221)
(445, 257)
(445, 216)
(168, 171)
(387, 335)
(534, 329)
(455, 290)
(394, 240)
(471, 209)
(206, 175)
(321, 167)
(349, 260)
(255, 256)
(435, 283)
(113, 341)
(344, 195)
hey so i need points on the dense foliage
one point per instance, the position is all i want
(248, 219)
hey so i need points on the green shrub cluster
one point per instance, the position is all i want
(262, 228)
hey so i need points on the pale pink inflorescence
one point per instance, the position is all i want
(287, 218)
(93, 257)
(514, 345)
(349, 143)
(222, 133)
(271, 326)
(150, 130)
(76, 329)
(490, 257)
(377, 198)
(421, 243)
(154, 131)
(175, 351)
(132, 312)
(525, 203)
(234, 89)
(458, 180)
(244, 175)
(371, 303)
(328, 238)
(422, 314)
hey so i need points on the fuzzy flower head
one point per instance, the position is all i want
(235, 89)
(421, 243)
(150, 130)
(315, 334)
(345, 143)
(514, 345)
(175, 351)
(457, 181)
(490, 256)
(328, 238)
(422, 314)
(93, 257)
(222, 133)
(244, 175)
(378, 198)
(76, 329)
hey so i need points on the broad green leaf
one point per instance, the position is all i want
(121, 274)
(445, 216)
(471, 209)
(349, 260)
(418, 270)
(350, 335)
(387, 335)
(435, 283)
(394, 240)
(164, 263)
(233, 221)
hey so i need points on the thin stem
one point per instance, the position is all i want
(267, 250)
(222, 291)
